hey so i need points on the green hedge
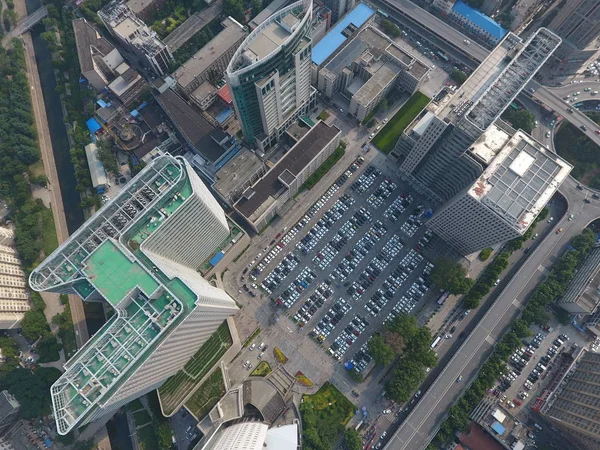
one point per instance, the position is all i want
(388, 136)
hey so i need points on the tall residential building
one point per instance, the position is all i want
(139, 253)
(269, 75)
(504, 201)
(123, 23)
(434, 150)
(14, 298)
(577, 22)
(583, 293)
(573, 405)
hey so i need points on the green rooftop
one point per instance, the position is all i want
(114, 275)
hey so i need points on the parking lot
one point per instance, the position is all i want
(352, 262)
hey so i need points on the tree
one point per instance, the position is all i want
(390, 28)
(34, 325)
(235, 9)
(450, 276)
(164, 434)
(106, 156)
(394, 340)
(485, 253)
(31, 389)
(563, 316)
(256, 6)
(521, 118)
(459, 76)
(352, 440)
(355, 376)
(382, 353)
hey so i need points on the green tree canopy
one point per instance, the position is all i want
(31, 389)
(381, 352)
(34, 325)
(107, 157)
(521, 118)
(235, 9)
(450, 276)
(390, 28)
(459, 76)
(352, 440)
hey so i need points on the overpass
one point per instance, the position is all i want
(25, 24)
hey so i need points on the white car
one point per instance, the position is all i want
(252, 347)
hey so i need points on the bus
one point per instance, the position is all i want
(443, 56)
(514, 106)
(382, 13)
(443, 298)
(435, 342)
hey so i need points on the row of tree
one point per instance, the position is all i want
(535, 312)
(403, 336)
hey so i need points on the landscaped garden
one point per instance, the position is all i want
(176, 387)
(324, 417)
(388, 136)
(207, 395)
(262, 370)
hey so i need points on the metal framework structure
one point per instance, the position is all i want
(521, 69)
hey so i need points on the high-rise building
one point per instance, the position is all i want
(434, 150)
(139, 253)
(9, 406)
(583, 293)
(573, 405)
(14, 298)
(577, 22)
(505, 200)
(126, 26)
(269, 75)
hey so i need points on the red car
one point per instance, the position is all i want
(517, 402)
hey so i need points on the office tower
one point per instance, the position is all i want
(338, 8)
(139, 253)
(433, 151)
(582, 294)
(505, 200)
(9, 406)
(123, 23)
(573, 404)
(577, 22)
(269, 75)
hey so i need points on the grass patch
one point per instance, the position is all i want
(176, 387)
(262, 370)
(280, 356)
(147, 438)
(252, 336)
(323, 115)
(303, 379)
(325, 167)
(573, 145)
(207, 395)
(134, 405)
(324, 416)
(37, 169)
(388, 136)
(49, 238)
(141, 417)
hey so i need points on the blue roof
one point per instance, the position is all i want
(498, 428)
(480, 19)
(215, 259)
(332, 40)
(93, 125)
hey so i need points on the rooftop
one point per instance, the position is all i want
(88, 43)
(520, 180)
(232, 34)
(114, 275)
(97, 172)
(271, 9)
(385, 75)
(340, 32)
(489, 144)
(296, 159)
(584, 286)
(191, 124)
(237, 172)
(479, 19)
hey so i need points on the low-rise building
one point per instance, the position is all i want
(97, 172)
(14, 297)
(367, 69)
(210, 147)
(128, 84)
(145, 9)
(265, 199)
(98, 58)
(241, 172)
(209, 63)
(477, 23)
(123, 23)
